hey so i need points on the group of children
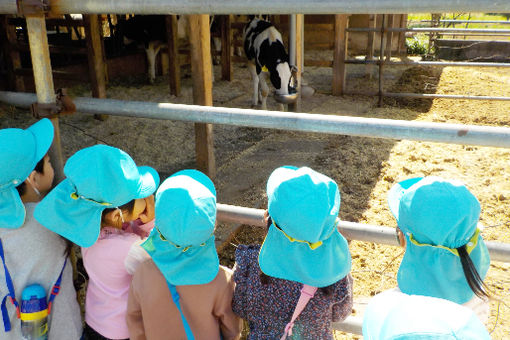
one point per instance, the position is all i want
(149, 252)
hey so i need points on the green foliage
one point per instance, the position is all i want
(417, 45)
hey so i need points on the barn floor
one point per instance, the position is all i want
(364, 168)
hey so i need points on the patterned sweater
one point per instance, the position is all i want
(269, 307)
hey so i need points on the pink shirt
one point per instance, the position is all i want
(109, 281)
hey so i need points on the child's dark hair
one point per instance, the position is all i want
(265, 279)
(39, 167)
(129, 206)
(328, 291)
(474, 280)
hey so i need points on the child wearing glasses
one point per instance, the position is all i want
(182, 291)
(31, 254)
(298, 281)
(445, 254)
(102, 206)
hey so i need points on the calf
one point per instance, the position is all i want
(150, 30)
(266, 53)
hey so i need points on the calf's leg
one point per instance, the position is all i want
(255, 81)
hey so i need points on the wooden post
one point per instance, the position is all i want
(43, 78)
(384, 24)
(226, 47)
(201, 68)
(300, 22)
(96, 57)
(402, 36)
(372, 23)
(389, 41)
(11, 55)
(174, 67)
(339, 54)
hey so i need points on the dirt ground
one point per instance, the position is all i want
(364, 168)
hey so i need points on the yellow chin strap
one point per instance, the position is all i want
(75, 196)
(184, 249)
(472, 243)
(313, 245)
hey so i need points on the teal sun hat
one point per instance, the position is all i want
(394, 315)
(20, 151)
(182, 242)
(303, 243)
(437, 216)
(98, 177)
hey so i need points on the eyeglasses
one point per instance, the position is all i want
(184, 249)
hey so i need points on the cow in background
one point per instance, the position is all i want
(150, 30)
(266, 53)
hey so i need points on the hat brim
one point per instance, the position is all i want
(395, 315)
(43, 132)
(321, 267)
(437, 272)
(77, 220)
(397, 191)
(195, 266)
(12, 209)
(148, 183)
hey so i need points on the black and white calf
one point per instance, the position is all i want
(264, 48)
(150, 30)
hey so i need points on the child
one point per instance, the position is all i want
(395, 315)
(302, 250)
(445, 255)
(183, 292)
(104, 191)
(31, 253)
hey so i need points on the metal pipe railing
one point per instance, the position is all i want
(459, 31)
(424, 95)
(428, 63)
(351, 230)
(342, 125)
(456, 21)
(266, 6)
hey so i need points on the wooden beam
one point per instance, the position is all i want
(402, 36)
(389, 41)
(174, 66)
(226, 48)
(300, 21)
(96, 57)
(201, 68)
(372, 23)
(11, 56)
(339, 54)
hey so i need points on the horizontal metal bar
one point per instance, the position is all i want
(352, 324)
(428, 63)
(445, 96)
(471, 21)
(423, 95)
(267, 6)
(332, 124)
(351, 230)
(460, 31)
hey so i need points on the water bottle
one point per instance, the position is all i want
(34, 313)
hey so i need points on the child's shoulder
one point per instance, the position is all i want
(247, 254)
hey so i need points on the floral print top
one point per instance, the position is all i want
(269, 307)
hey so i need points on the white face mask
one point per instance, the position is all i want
(33, 187)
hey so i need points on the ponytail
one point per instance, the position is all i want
(474, 280)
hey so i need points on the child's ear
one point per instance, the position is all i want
(112, 219)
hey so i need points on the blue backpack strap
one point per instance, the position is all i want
(56, 287)
(175, 298)
(11, 294)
